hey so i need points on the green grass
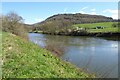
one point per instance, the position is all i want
(107, 27)
(23, 59)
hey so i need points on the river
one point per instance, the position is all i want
(93, 54)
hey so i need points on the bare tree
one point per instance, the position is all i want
(13, 23)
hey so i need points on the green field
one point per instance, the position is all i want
(108, 27)
(23, 59)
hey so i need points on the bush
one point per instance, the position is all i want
(115, 25)
(13, 23)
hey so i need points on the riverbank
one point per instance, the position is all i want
(74, 33)
(94, 34)
(103, 29)
(23, 59)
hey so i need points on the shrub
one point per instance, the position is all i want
(13, 23)
(115, 25)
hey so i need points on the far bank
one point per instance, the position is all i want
(102, 29)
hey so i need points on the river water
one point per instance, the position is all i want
(93, 54)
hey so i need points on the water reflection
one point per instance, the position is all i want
(92, 54)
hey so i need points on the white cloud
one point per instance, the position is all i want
(115, 16)
(82, 12)
(93, 9)
(113, 12)
(93, 13)
(84, 8)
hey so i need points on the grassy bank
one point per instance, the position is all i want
(23, 59)
(91, 27)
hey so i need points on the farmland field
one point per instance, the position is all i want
(107, 27)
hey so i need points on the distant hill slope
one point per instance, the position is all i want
(78, 18)
(64, 21)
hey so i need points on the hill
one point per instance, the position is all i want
(59, 21)
(77, 18)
